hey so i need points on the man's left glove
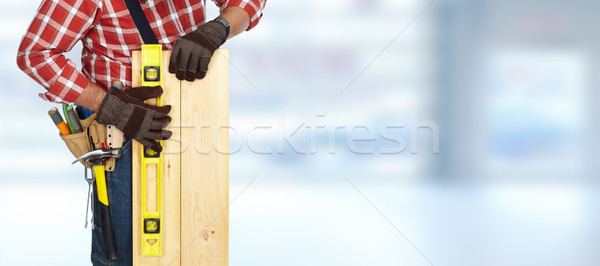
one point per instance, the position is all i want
(192, 52)
(127, 111)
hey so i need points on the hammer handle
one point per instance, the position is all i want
(107, 230)
(107, 233)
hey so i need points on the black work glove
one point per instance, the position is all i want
(127, 111)
(192, 52)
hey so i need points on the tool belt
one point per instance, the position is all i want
(92, 137)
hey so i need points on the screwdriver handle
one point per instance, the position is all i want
(58, 121)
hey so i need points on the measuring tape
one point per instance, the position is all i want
(151, 162)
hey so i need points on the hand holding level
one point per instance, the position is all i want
(127, 111)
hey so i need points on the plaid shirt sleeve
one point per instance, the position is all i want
(55, 29)
(253, 7)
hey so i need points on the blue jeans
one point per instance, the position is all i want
(119, 198)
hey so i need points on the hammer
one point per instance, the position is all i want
(96, 158)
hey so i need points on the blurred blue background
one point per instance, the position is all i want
(508, 84)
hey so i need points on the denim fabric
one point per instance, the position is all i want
(119, 198)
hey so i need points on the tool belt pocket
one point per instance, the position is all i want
(79, 143)
(92, 137)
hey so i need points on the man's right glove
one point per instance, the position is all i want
(127, 111)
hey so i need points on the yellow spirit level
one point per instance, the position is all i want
(151, 162)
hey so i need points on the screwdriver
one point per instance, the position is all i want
(58, 121)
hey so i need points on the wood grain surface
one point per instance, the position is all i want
(195, 169)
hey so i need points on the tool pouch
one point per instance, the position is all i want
(93, 135)
(79, 143)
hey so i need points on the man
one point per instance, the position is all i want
(109, 35)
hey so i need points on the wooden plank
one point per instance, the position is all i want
(170, 176)
(205, 170)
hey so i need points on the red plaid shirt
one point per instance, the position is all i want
(108, 34)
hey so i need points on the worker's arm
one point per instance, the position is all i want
(231, 11)
(192, 52)
(238, 18)
(91, 97)
(55, 29)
